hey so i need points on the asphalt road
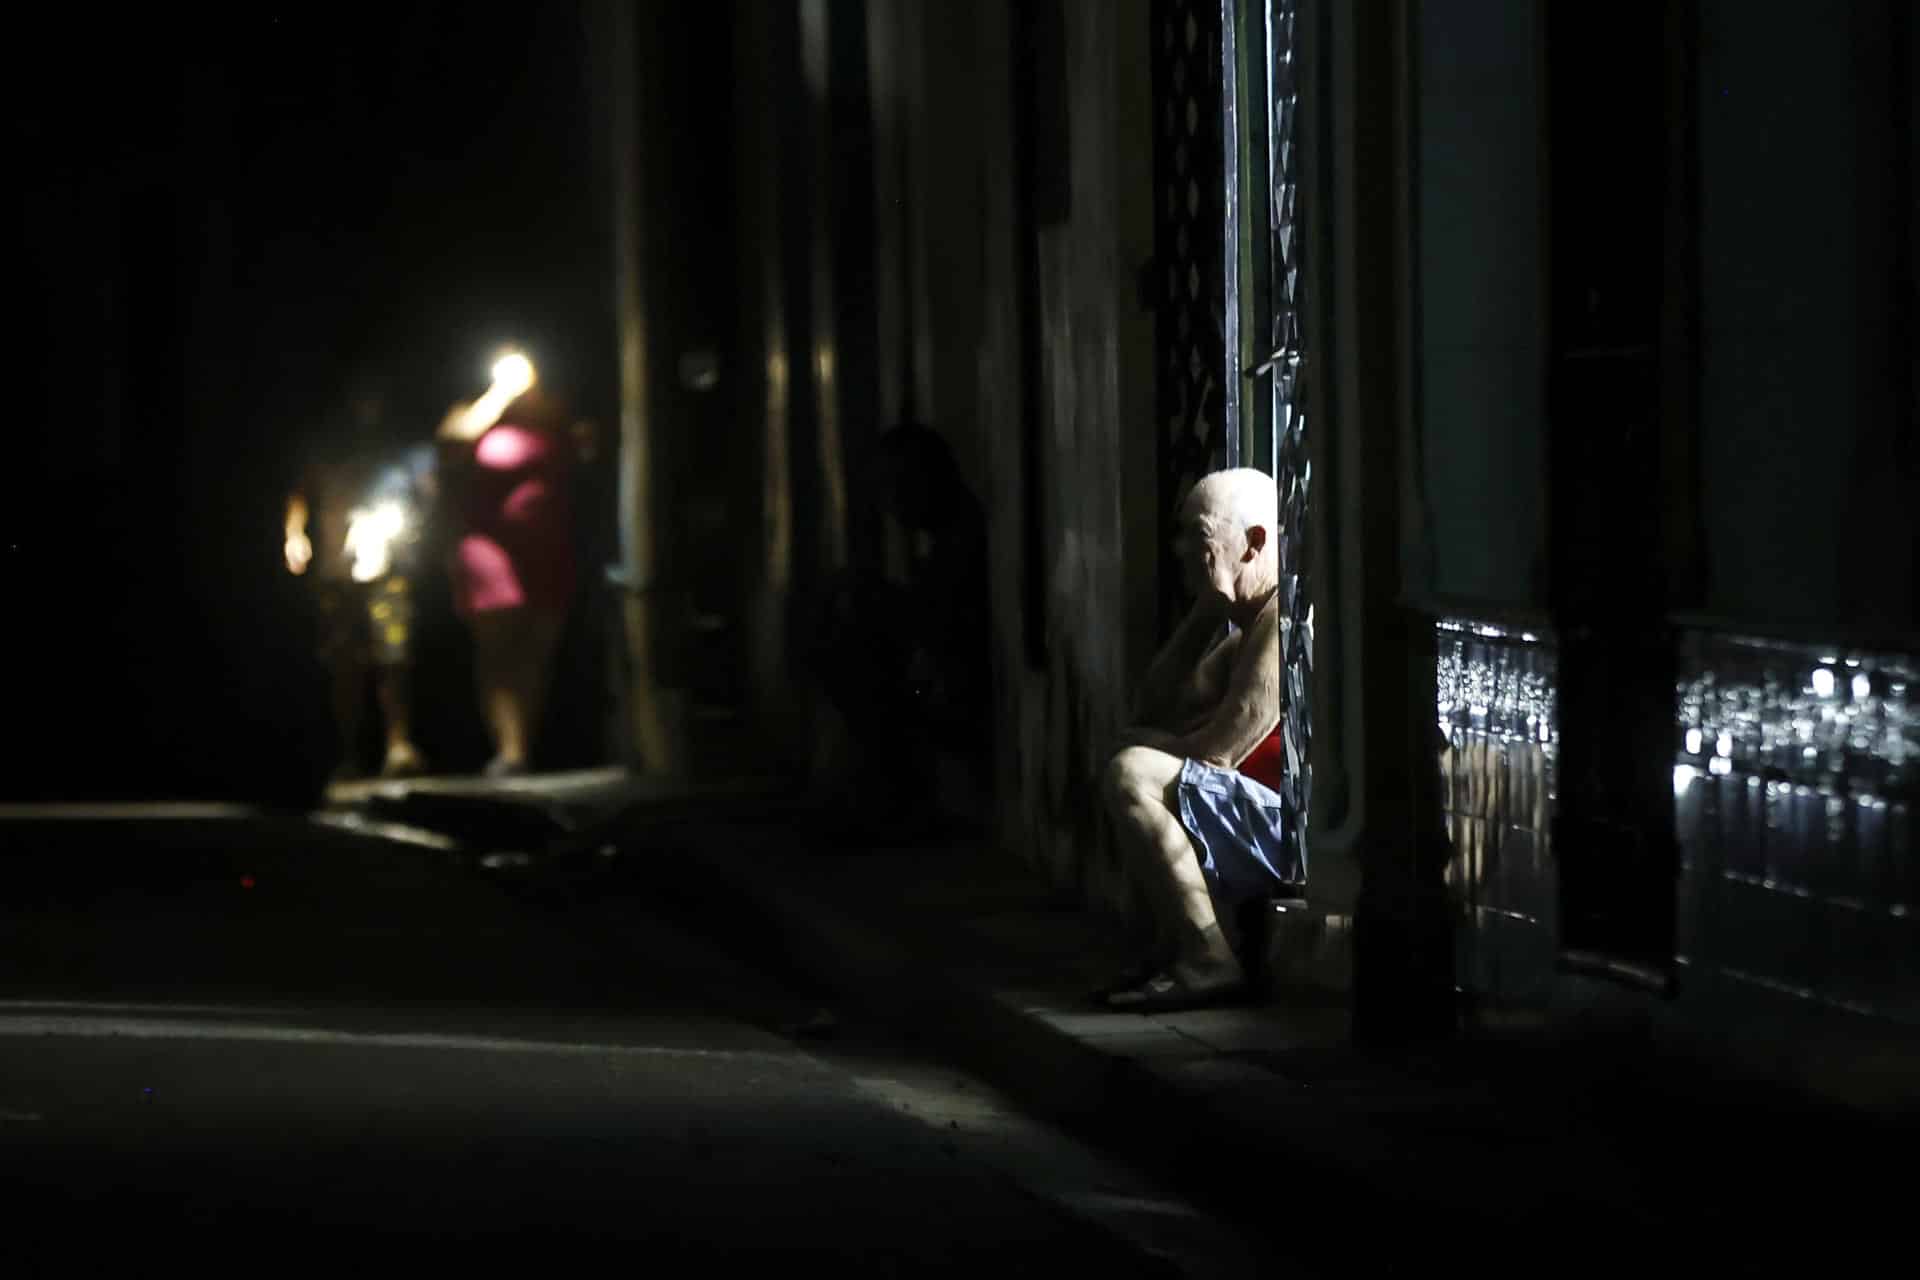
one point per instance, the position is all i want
(272, 1046)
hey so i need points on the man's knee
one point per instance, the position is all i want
(1116, 782)
(1135, 775)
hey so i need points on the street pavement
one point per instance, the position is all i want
(1576, 1142)
(233, 1040)
(472, 1022)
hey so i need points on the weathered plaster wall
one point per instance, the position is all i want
(941, 290)
(1091, 433)
(1094, 540)
(1480, 302)
(1807, 450)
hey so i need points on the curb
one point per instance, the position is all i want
(1374, 1165)
(1317, 1172)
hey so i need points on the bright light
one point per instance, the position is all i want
(1862, 685)
(1719, 766)
(370, 535)
(1823, 682)
(1695, 739)
(1683, 776)
(1724, 744)
(512, 373)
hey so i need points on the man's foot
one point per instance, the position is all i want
(1216, 979)
(403, 761)
(1168, 992)
(1127, 979)
(501, 767)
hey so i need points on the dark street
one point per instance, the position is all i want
(1109, 637)
(374, 1053)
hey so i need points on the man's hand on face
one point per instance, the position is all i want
(1211, 607)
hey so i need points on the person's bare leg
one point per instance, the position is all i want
(495, 681)
(396, 707)
(540, 638)
(1142, 795)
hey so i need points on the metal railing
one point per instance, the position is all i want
(1796, 775)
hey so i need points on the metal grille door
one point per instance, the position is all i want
(1285, 368)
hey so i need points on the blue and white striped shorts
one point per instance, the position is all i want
(1238, 829)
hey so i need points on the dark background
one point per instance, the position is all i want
(221, 221)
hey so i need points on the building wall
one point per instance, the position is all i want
(1793, 785)
(1805, 333)
(1480, 302)
(1093, 547)
(122, 503)
(1064, 712)
(935, 291)
(1807, 343)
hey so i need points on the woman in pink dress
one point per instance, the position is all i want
(512, 559)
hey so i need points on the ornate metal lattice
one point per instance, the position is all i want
(1189, 251)
(1794, 783)
(1285, 368)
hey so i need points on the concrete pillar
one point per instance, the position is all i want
(653, 717)
(1378, 859)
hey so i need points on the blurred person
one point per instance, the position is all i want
(353, 524)
(902, 651)
(508, 459)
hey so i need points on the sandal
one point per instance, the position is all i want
(500, 768)
(1167, 992)
(403, 762)
(1134, 976)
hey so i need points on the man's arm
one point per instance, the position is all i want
(298, 548)
(467, 422)
(1249, 711)
(1176, 661)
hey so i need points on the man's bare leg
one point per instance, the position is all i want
(396, 707)
(1142, 795)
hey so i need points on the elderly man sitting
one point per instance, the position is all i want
(1191, 791)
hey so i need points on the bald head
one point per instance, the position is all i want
(1228, 535)
(1236, 499)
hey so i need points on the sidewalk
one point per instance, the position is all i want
(1526, 1149)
